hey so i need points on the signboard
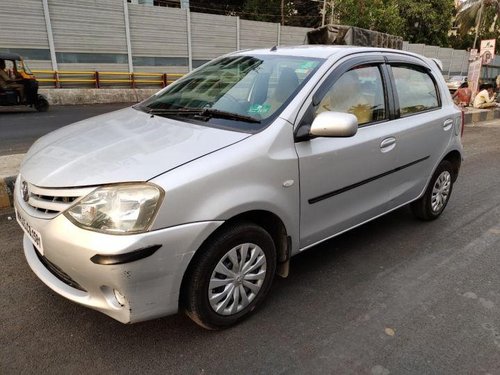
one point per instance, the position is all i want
(473, 54)
(487, 51)
(474, 74)
(184, 4)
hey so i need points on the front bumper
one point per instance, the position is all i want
(150, 285)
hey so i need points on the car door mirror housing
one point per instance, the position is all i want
(334, 124)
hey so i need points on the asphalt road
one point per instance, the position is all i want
(395, 296)
(21, 126)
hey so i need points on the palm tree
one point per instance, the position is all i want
(470, 13)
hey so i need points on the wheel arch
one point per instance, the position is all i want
(270, 222)
(455, 158)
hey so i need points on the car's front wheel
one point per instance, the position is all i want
(437, 194)
(231, 276)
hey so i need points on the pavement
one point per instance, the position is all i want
(394, 296)
(9, 164)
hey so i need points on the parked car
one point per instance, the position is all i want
(196, 198)
(455, 82)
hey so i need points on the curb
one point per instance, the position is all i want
(485, 115)
(6, 192)
(96, 96)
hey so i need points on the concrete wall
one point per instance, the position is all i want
(94, 96)
(455, 62)
(92, 35)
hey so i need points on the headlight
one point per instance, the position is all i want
(117, 209)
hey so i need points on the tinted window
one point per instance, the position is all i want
(415, 89)
(359, 91)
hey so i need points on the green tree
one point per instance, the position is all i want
(481, 16)
(470, 12)
(379, 15)
(262, 10)
(418, 21)
(304, 13)
(427, 21)
(226, 8)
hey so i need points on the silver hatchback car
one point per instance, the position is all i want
(197, 197)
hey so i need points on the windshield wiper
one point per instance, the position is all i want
(202, 112)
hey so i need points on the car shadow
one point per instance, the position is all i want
(6, 110)
(362, 251)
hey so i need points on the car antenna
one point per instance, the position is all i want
(274, 49)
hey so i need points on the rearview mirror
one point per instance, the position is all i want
(334, 124)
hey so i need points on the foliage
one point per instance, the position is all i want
(468, 14)
(379, 15)
(427, 21)
(418, 21)
(468, 17)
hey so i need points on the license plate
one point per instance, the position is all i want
(33, 234)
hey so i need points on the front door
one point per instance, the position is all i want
(345, 181)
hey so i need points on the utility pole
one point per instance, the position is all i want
(323, 12)
(478, 25)
(332, 6)
(282, 12)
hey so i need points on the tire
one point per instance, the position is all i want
(432, 204)
(41, 105)
(210, 300)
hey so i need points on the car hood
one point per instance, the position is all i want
(122, 146)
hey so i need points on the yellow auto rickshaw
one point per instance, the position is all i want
(18, 85)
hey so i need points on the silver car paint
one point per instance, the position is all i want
(71, 248)
(211, 175)
(121, 146)
(247, 176)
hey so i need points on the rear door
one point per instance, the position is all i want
(422, 128)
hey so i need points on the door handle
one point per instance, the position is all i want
(448, 124)
(388, 144)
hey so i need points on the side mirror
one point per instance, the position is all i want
(334, 124)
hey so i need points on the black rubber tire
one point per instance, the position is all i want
(195, 292)
(41, 105)
(422, 208)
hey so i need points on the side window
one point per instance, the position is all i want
(415, 89)
(359, 91)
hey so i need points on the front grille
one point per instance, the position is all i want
(48, 202)
(57, 272)
(41, 203)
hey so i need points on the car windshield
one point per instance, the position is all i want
(243, 93)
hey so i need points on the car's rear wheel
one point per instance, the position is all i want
(438, 192)
(231, 277)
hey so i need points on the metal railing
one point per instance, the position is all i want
(97, 79)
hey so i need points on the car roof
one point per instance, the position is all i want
(320, 51)
(9, 56)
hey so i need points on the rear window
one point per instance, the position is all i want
(415, 89)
